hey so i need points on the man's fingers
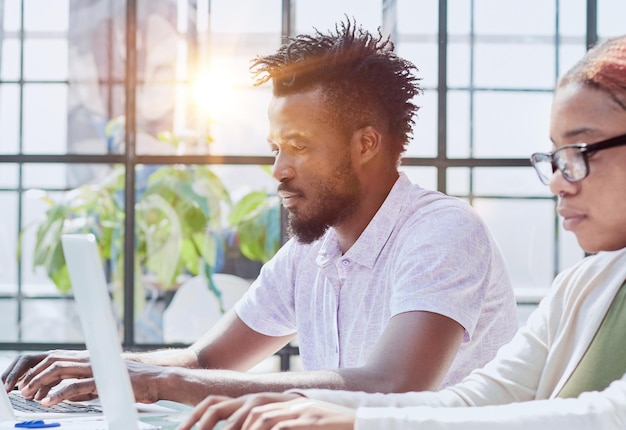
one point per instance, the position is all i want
(20, 365)
(25, 367)
(82, 390)
(52, 376)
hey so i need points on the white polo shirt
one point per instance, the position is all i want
(422, 251)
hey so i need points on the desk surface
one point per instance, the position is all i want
(169, 422)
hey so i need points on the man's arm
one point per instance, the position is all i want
(413, 354)
(230, 344)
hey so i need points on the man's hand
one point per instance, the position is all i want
(233, 410)
(301, 414)
(26, 371)
(143, 379)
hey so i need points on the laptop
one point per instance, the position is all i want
(115, 407)
(99, 328)
(13, 406)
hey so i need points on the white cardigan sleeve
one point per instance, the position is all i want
(604, 410)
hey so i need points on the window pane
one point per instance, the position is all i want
(41, 15)
(497, 127)
(8, 319)
(97, 40)
(506, 65)
(96, 208)
(97, 46)
(9, 118)
(513, 17)
(611, 18)
(10, 67)
(424, 56)
(426, 177)
(496, 181)
(572, 18)
(246, 16)
(458, 181)
(64, 176)
(46, 175)
(417, 28)
(34, 279)
(459, 59)
(421, 17)
(8, 240)
(569, 55)
(45, 119)
(508, 181)
(424, 142)
(244, 130)
(525, 232)
(45, 60)
(8, 175)
(95, 121)
(570, 251)
(53, 320)
(12, 15)
(458, 124)
(459, 14)
(324, 14)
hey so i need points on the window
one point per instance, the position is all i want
(90, 90)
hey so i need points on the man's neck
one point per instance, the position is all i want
(349, 231)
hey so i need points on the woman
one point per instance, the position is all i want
(566, 368)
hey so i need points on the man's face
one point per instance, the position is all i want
(318, 185)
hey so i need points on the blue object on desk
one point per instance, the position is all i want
(36, 424)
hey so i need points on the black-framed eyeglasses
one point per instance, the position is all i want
(571, 160)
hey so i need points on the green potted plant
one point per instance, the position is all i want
(179, 227)
(256, 221)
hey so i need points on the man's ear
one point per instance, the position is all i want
(368, 141)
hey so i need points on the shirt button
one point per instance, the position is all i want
(345, 262)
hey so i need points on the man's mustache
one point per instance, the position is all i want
(286, 188)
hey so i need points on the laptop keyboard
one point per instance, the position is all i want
(22, 404)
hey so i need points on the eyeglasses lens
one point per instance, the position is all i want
(544, 166)
(571, 162)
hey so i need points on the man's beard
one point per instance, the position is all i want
(335, 202)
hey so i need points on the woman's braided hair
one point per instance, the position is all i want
(603, 67)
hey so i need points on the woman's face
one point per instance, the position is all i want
(594, 209)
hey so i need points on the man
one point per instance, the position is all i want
(388, 286)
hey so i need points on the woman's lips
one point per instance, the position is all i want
(571, 218)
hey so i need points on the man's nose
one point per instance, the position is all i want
(282, 169)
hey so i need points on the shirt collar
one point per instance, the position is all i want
(368, 246)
